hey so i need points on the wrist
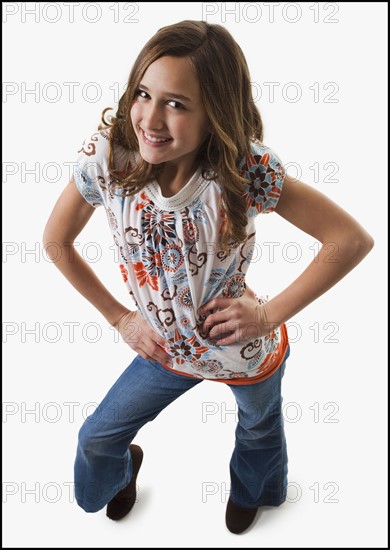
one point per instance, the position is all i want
(262, 320)
(269, 315)
(114, 318)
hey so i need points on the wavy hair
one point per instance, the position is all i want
(226, 94)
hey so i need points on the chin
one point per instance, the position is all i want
(150, 160)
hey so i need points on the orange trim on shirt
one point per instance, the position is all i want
(276, 360)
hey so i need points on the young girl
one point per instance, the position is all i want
(182, 173)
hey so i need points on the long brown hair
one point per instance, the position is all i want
(227, 97)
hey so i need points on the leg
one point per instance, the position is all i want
(103, 464)
(258, 466)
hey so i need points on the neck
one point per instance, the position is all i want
(173, 178)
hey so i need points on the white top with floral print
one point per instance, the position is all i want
(171, 262)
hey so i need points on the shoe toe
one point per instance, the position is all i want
(239, 519)
(124, 501)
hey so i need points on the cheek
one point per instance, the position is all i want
(191, 132)
(200, 135)
(135, 113)
(200, 128)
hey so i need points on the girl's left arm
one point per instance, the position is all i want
(344, 244)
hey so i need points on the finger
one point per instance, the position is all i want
(165, 361)
(149, 352)
(154, 336)
(215, 303)
(160, 349)
(215, 319)
(225, 327)
(158, 339)
(227, 340)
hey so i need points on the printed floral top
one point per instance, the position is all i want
(171, 263)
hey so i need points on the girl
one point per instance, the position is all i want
(182, 173)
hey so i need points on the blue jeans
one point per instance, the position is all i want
(258, 466)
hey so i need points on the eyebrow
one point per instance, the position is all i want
(171, 94)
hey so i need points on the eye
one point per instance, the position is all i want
(142, 94)
(175, 104)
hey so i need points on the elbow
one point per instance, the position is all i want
(365, 247)
(355, 244)
(369, 243)
(362, 244)
(365, 242)
(47, 239)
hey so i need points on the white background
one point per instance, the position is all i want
(335, 383)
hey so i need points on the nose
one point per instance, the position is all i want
(153, 117)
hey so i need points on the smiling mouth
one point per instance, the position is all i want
(152, 139)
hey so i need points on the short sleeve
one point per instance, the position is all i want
(264, 172)
(89, 170)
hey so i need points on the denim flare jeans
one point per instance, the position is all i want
(258, 465)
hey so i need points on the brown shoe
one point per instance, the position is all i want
(238, 519)
(124, 501)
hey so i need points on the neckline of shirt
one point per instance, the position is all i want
(192, 189)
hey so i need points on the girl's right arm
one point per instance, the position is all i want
(70, 215)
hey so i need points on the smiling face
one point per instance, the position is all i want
(168, 116)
